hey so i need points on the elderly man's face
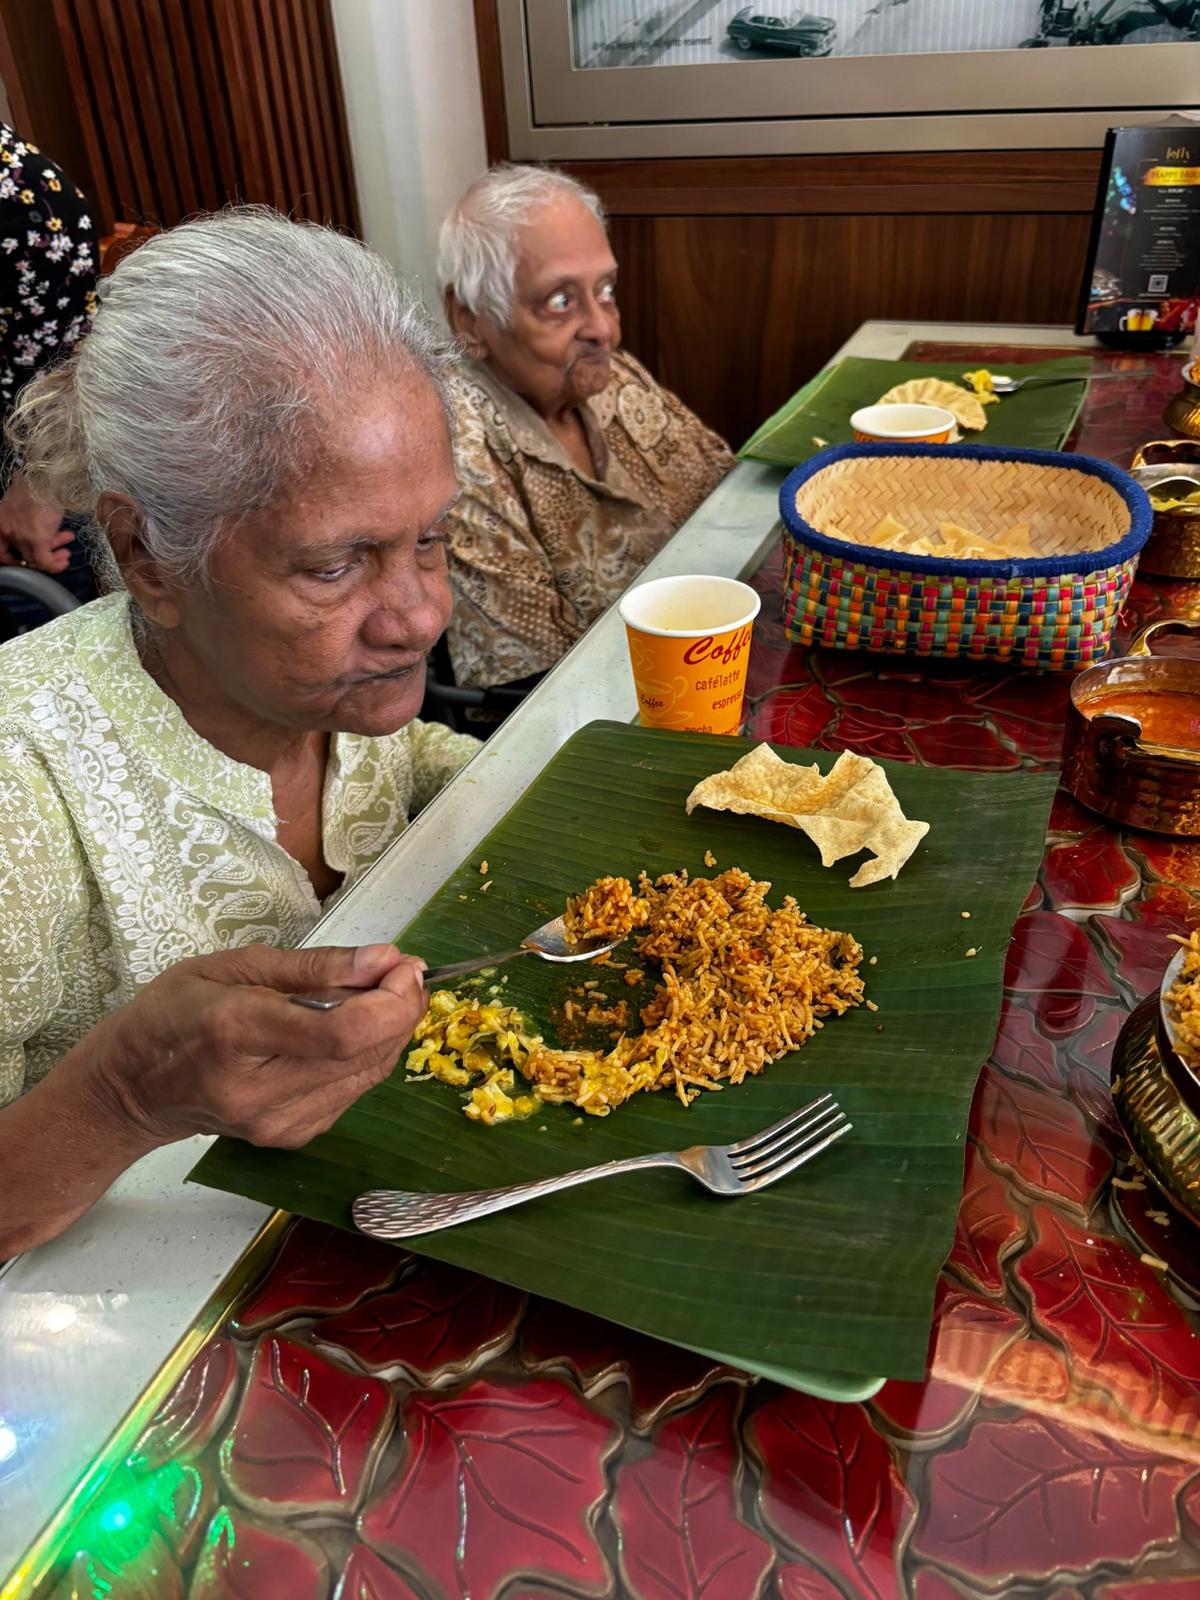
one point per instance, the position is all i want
(321, 609)
(565, 324)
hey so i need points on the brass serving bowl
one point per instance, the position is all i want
(1157, 1097)
(1109, 767)
(1173, 548)
(1183, 409)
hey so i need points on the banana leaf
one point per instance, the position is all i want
(824, 1281)
(1038, 417)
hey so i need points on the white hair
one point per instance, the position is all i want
(477, 256)
(212, 370)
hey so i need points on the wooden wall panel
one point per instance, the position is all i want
(185, 107)
(487, 44)
(634, 245)
(35, 75)
(743, 309)
(937, 181)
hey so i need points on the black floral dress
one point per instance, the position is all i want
(47, 264)
(48, 269)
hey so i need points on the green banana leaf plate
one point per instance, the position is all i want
(825, 1281)
(1038, 417)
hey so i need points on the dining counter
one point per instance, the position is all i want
(1055, 1441)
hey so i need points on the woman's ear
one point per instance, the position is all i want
(464, 325)
(122, 522)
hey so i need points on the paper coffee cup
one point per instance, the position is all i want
(689, 645)
(903, 424)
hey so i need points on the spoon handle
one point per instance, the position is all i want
(331, 999)
(459, 969)
(1093, 377)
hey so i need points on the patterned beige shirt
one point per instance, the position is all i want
(128, 842)
(537, 548)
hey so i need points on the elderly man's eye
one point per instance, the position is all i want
(608, 294)
(559, 301)
(332, 574)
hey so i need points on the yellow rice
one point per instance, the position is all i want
(1183, 1003)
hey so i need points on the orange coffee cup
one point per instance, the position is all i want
(903, 424)
(689, 644)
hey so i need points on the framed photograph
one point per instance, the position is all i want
(1143, 270)
(619, 78)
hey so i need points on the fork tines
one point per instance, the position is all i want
(795, 1139)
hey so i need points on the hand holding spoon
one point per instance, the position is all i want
(550, 942)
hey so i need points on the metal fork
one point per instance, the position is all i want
(726, 1169)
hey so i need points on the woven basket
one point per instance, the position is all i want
(1088, 521)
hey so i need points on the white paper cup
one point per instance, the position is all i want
(903, 424)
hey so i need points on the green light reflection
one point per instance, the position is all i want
(136, 1508)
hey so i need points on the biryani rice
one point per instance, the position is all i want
(608, 909)
(742, 985)
(1183, 1003)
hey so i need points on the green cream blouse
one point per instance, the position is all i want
(127, 842)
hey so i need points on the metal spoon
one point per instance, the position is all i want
(1005, 385)
(549, 941)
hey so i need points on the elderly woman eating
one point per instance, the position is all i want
(575, 466)
(190, 766)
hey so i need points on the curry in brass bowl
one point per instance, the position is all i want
(1132, 748)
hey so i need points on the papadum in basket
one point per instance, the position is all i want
(1087, 520)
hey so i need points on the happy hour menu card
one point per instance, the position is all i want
(1144, 262)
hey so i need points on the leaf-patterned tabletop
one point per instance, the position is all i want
(370, 1430)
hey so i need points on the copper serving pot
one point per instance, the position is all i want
(1106, 763)
(1173, 548)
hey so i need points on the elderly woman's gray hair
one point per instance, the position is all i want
(214, 363)
(477, 255)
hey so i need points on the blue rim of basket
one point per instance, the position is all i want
(1135, 497)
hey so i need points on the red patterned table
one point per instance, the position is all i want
(369, 1425)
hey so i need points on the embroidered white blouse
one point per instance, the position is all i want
(128, 842)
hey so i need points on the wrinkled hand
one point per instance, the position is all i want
(32, 532)
(214, 1045)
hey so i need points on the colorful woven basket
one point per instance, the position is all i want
(1088, 520)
